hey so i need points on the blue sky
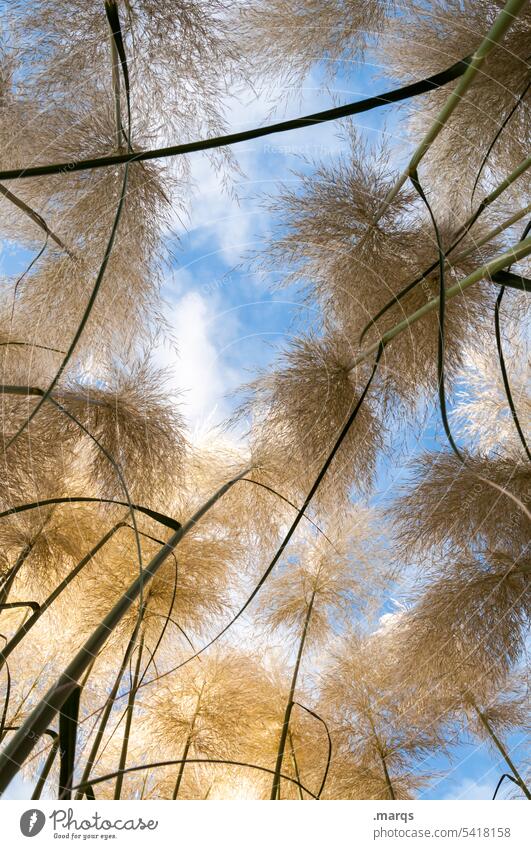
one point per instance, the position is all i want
(236, 319)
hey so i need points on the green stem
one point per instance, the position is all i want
(13, 572)
(275, 788)
(295, 764)
(519, 251)
(48, 763)
(128, 721)
(501, 748)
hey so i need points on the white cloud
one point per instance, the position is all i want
(222, 229)
(227, 225)
(195, 362)
(470, 789)
(388, 622)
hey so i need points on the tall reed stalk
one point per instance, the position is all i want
(129, 719)
(187, 744)
(501, 748)
(275, 787)
(108, 706)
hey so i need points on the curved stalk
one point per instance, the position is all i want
(128, 721)
(387, 777)
(167, 620)
(356, 108)
(441, 344)
(115, 65)
(501, 748)
(96, 743)
(161, 518)
(456, 242)
(48, 763)
(498, 263)
(275, 788)
(33, 605)
(505, 377)
(187, 745)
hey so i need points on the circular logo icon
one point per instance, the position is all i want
(32, 822)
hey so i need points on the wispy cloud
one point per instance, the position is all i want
(194, 359)
(470, 789)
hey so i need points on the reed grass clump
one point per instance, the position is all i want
(451, 504)
(379, 739)
(328, 246)
(287, 36)
(302, 405)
